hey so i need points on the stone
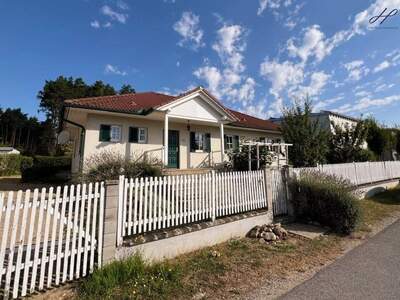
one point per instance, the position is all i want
(262, 241)
(268, 236)
(255, 232)
(199, 296)
(281, 232)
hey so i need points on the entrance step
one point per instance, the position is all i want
(186, 171)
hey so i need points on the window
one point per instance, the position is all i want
(137, 135)
(231, 142)
(110, 133)
(142, 135)
(115, 134)
(200, 142)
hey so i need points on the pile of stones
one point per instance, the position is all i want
(268, 233)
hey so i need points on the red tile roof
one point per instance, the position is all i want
(127, 103)
(253, 122)
(142, 103)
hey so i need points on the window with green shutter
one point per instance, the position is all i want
(105, 133)
(137, 135)
(200, 142)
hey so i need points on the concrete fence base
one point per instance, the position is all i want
(188, 242)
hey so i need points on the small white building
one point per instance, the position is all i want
(8, 150)
(327, 118)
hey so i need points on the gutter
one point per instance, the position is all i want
(82, 138)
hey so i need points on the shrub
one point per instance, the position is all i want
(10, 164)
(144, 281)
(109, 165)
(365, 155)
(42, 168)
(326, 199)
(239, 160)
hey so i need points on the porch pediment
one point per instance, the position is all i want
(197, 106)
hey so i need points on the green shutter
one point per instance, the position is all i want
(235, 142)
(192, 142)
(105, 133)
(207, 142)
(133, 135)
(225, 142)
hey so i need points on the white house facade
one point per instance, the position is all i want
(191, 130)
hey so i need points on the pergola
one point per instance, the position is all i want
(274, 147)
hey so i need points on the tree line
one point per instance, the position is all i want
(32, 136)
(313, 144)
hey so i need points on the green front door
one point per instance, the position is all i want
(173, 149)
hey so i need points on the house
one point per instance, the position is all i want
(191, 130)
(326, 118)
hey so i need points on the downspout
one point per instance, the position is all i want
(81, 141)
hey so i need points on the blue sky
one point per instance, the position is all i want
(255, 55)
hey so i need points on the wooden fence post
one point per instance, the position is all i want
(110, 228)
(268, 189)
(287, 173)
(213, 196)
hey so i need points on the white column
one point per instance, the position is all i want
(221, 130)
(166, 140)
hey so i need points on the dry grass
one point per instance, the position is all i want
(379, 207)
(241, 265)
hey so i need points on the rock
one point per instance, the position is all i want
(277, 225)
(268, 229)
(262, 241)
(255, 232)
(199, 296)
(281, 232)
(268, 236)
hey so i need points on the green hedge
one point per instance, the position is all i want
(10, 164)
(44, 168)
(326, 199)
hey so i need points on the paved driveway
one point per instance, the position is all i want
(370, 271)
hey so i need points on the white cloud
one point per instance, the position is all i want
(365, 103)
(229, 81)
(313, 44)
(230, 44)
(382, 66)
(212, 76)
(188, 28)
(113, 15)
(281, 75)
(323, 104)
(110, 69)
(257, 110)
(383, 87)
(362, 94)
(122, 5)
(272, 4)
(95, 24)
(361, 21)
(356, 70)
(318, 80)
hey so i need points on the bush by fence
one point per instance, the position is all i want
(326, 199)
(42, 168)
(10, 164)
(109, 165)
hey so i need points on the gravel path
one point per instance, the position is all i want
(370, 271)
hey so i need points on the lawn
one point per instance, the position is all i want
(227, 269)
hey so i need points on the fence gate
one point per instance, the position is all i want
(49, 237)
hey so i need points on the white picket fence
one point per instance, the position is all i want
(148, 204)
(362, 172)
(49, 237)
